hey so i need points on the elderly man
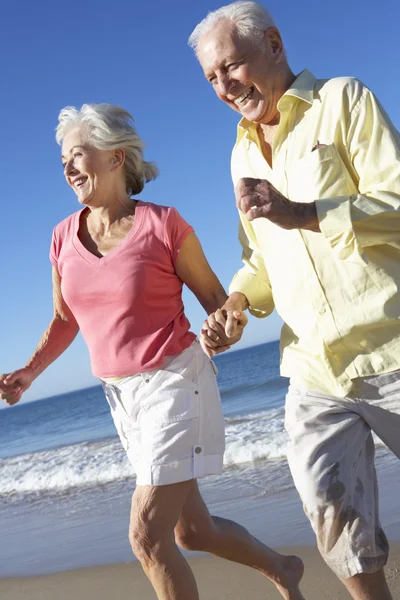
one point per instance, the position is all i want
(317, 181)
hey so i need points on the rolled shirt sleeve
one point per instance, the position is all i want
(252, 279)
(372, 217)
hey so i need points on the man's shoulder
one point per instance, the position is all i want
(347, 89)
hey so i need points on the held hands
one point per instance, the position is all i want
(258, 198)
(222, 329)
(13, 385)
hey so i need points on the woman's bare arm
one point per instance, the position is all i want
(60, 333)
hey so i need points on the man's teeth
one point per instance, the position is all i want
(243, 97)
(79, 182)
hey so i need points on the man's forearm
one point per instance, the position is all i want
(56, 339)
(307, 217)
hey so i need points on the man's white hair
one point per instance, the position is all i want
(110, 127)
(251, 21)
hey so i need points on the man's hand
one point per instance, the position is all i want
(13, 385)
(222, 329)
(258, 198)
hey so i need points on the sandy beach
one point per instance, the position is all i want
(66, 486)
(217, 580)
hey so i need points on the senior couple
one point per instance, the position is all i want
(317, 183)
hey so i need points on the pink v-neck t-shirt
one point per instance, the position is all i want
(128, 304)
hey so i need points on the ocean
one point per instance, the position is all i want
(65, 482)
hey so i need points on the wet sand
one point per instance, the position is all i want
(217, 580)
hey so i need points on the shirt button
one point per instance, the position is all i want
(322, 311)
(197, 450)
(196, 392)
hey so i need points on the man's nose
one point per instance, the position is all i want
(224, 84)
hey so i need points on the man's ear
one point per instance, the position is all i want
(274, 43)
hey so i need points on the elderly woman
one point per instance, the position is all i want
(118, 269)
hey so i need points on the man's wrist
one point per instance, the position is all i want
(236, 301)
(306, 216)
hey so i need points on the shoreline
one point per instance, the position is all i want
(216, 579)
(89, 530)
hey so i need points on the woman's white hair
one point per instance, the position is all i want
(251, 21)
(110, 127)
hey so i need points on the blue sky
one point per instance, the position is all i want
(135, 54)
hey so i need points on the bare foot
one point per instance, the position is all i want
(287, 581)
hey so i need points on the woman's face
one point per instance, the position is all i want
(88, 171)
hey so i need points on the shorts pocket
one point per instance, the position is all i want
(170, 397)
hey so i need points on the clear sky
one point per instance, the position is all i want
(135, 54)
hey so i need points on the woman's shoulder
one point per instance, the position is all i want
(158, 214)
(158, 211)
(67, 225)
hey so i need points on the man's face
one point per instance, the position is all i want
(243, 76)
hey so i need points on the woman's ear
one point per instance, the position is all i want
(118, 159)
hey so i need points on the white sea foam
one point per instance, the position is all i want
(250, 438)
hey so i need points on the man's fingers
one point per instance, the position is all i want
(231, 326)
(220, 318)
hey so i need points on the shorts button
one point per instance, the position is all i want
(197, 450)
(147, 380)
(196, 392)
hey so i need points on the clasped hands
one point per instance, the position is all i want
(222, 329)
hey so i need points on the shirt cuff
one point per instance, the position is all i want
(335, 223)
(258, 293)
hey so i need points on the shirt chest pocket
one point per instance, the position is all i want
(319, 174)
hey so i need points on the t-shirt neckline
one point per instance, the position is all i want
(97, 261)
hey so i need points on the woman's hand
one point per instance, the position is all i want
(222, 329)
(13, 385)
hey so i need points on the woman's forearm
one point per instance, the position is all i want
(214, 299)
(56, 339)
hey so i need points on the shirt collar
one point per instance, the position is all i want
(302, 88)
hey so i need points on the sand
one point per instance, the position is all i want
(217, 580)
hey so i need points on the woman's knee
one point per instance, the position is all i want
(146, 535)
(195, 538)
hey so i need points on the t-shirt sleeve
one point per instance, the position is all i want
(176, 232)
(54, 249)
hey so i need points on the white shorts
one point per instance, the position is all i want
(332, 462)
(170, 420)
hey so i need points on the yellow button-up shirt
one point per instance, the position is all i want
(338, 290)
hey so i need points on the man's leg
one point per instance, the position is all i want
(381, 410)
(198, 530)
(332, 463)
(155, 512)
(368, 586)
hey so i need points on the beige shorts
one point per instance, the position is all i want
(332, 462)
(170, 420)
